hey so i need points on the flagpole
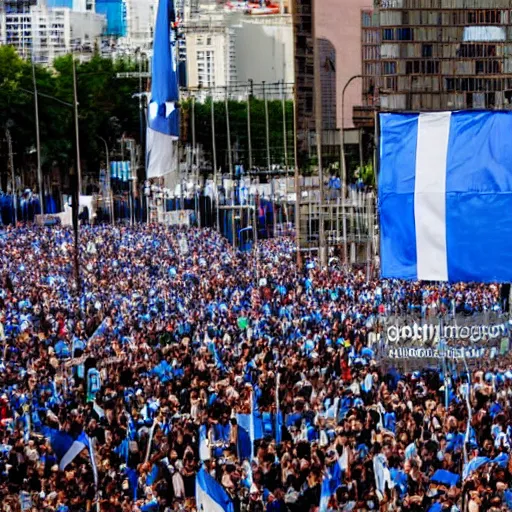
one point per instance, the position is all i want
(77, 133)
(38, 141)
(251, 424)
(278, 423)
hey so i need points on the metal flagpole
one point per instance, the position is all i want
(107, 177)
(267, 126)
(285, 142)
(297, 181)
(214, 158)
(13, 177)
(272, 180)
(38, 141)
(322, 249)
(77, 133)
(249, 142)
(228, 132)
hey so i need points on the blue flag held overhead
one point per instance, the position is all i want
(163, 114)
(445, 196)
(67, 448)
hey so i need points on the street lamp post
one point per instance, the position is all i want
(77, 133)
(13, 177)
(38, 140)
(344, 168)
(343, 161)
(107, 177)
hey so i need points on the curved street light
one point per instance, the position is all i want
(343, 161)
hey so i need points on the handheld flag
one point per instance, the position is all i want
(210, 495)
(445, 195)
(163, 114)
(66, 448)
(441, 476)
(249, 430)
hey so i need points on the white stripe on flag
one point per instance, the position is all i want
(161, 154)
(71, 454)
(206, 503)
(430, 196)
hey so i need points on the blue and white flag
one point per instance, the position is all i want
(250, 429)
(445, 196)
(163, 114)
(473, 465)
(333, 478)
(210, 495)
(66, 448)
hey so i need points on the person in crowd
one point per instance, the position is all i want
(171, 352)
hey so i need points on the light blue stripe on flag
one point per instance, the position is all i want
(396, 194)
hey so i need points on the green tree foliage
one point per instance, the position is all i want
(106, 109)
(238, 115)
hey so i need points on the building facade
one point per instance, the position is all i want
(445, 55)
(44, 33)
(140, 18)
(226, 50)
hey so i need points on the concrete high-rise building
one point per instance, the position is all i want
(224, 49)
(43, 33)
(444, 55)
(140, 24)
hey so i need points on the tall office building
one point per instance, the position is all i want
(445, 54)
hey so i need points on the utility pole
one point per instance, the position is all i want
(77, 133)
(214, 158)
(285, 141)
(141, 106)
(322, 248)
(194, 155)
(228, 131)
(38, 141)
(297, 181)
(13, 177)
(272, 184)
(249, 141)
(267, 127)
(107, 178)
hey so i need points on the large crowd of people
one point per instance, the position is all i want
(117, 385)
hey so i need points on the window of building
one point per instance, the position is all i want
(206, 68)
(432, 67)
(426, 51)
(390, 68)
(404, 34)
(388, 34)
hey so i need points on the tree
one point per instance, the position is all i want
(106, 108)
(238, 115)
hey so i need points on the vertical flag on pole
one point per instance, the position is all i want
(163, 114)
